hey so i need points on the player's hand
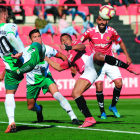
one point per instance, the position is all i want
(128, 60)
(63, 47)
(17, 55)
(1, 77)
(73, 71)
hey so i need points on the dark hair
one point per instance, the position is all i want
(33, 31)
(64, 35)
(87, 16)
(2, 8)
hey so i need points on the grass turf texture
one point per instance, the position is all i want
(54, 116)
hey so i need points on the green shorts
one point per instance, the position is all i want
(12, 81)
(34, 90)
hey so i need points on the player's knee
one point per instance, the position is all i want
(76, 94)
(30, 107)
(99, 86)
(118, 84)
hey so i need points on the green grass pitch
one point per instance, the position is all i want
(57, 124)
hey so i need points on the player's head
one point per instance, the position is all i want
(66, 39)
(35, 36)
(102, 23)
(4, 14)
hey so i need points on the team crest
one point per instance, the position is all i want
(18, 72)
(107, 38)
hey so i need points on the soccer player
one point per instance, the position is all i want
(100, 40)
(17, 61)
(40, 78)
(89, 66)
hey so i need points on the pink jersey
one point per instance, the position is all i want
(101, 42)
(76, 59)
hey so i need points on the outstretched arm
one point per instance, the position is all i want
(128, 59)
(53, 64)
(61, 56)
(78, 47)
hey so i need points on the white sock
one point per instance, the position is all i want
(10, 107)
(65, 104)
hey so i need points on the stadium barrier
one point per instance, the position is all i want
(65, 82)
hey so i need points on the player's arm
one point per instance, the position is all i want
(11, 35)
(77, 47)
(117, 40)
(2, 75)
(53, 64)
(61, 56)
(128, 59)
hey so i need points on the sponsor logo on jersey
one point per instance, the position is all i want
(119, 39)
(101, 45)
(3, 32)
(82, 38)
(13, 28)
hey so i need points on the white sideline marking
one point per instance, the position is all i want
(128, 132)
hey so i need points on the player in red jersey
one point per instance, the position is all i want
(89, 66)
(100, 40)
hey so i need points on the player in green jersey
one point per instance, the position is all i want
(17, 61)
(40, 78)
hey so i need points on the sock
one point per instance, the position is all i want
(100, 99)
(113, 61)
(10, 107)
(81, 103)
(65, 104)
(116, 95)
(36, 108)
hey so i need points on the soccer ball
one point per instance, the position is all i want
(107, 12)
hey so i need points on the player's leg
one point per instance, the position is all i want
(32, 94)
(11, 85)
(82, 85)
(52, 88)
(114, 75)
(100, 98)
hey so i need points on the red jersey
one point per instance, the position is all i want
(101, 42)
(77, 59)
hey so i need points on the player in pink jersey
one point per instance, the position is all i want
(100, 40)
(86, 65)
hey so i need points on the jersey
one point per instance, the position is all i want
(7, 49)
(101, 42)
(77, 59)
(40, 71)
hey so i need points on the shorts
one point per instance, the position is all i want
(34, 90)
(112, 73)
(12, 80)
(91, 71)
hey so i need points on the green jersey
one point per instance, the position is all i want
(40, 71)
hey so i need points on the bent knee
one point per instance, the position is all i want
(30, 107)
(118, 84)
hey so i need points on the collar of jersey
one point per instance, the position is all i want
(97, 29)
(2, 24)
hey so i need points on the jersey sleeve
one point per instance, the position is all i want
(65, 64)
(116, 37)
(75, 42)
(50, 52)
(12, 28)
(86, 35)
